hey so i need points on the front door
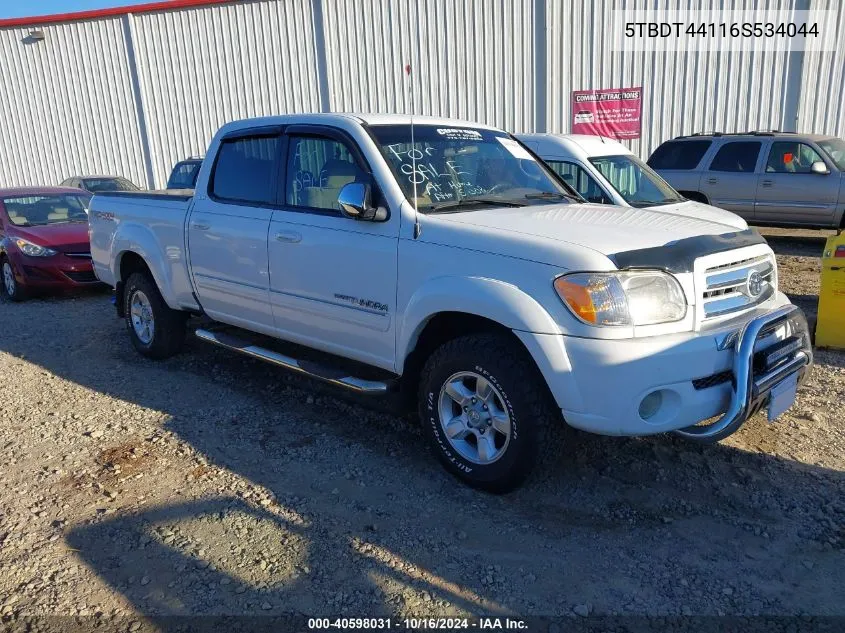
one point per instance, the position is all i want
(788, 192)
(332, 279)
(227, 231)
(730, 181)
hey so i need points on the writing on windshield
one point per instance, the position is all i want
(447, 164)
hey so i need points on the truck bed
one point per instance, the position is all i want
(183, 195)
(152, 224)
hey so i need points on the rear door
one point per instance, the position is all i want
(227, 230)
(788, 192)
(332, 279)
(730, 181)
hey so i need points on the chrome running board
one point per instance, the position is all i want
(335, 377)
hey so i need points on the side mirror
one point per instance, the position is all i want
(819, 168)
(355, 200)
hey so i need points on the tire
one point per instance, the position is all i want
(155, 330)
(486, 458)
(12, 290)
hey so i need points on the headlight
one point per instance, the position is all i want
(641, 297)
(33, 250)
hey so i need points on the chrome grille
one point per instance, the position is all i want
(734, 287)
(79, 255)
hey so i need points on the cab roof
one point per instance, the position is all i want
(580, 145)
(341, 118)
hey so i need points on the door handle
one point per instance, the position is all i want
(767, 183)
(200, 226)
(291, 237)
(712, 181)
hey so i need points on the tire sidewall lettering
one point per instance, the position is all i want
(433, 420)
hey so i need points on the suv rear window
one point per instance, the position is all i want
(678, 154)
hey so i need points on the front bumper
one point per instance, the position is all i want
(57, 271)
(600, 384)
(754, 380)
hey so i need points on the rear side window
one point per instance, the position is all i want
(245, 170)
(737, 156)
(678, 155)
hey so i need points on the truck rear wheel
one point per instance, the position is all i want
(486, 411)
(155, 330)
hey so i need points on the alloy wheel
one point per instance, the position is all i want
(474, 417)
(141, 313)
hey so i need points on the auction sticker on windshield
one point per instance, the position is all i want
(515, 148)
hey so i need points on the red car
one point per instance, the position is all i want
(44, 240)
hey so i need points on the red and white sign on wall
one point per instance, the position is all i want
(616, 113)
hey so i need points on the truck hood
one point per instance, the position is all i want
(552, 234)
(703, 211)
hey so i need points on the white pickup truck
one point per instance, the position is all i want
(443, 259)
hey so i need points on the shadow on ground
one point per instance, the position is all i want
(361, 520)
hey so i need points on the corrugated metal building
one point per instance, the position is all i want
(131, 91)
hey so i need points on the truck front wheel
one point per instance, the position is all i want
(485, 409)
(155, 330)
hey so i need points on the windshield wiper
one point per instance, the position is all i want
(551, 195)
(466, 202)
(652, 203)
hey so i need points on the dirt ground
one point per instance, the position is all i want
(213, 484)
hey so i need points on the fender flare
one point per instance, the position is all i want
(138, 239)
(492, 299)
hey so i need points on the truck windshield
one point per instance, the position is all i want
(457, 167)
(835, 149)
(40, 210)
(635, 181)
(98, 185)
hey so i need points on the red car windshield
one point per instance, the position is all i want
(41, 210)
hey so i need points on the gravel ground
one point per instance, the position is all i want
(213, 484)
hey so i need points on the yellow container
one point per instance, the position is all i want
(830, 327)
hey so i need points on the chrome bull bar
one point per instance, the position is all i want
(752, 391)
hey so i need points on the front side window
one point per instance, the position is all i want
(579, 179)
(452, 167)
(635, 181)
(48, 209)
(736, 156)
(318, 168)
(790, 157)
(678, 155)
(245, 170)
(99, 185)
(835, 149)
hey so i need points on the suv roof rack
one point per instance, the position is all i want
(748, 133)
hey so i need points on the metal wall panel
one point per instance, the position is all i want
(726, 91)
(471, 59)
(822, 106)
(202, 67)
(136, 93)
(66, 106)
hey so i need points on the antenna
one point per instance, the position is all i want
(413, 152)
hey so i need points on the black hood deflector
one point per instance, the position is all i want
(679, 257)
